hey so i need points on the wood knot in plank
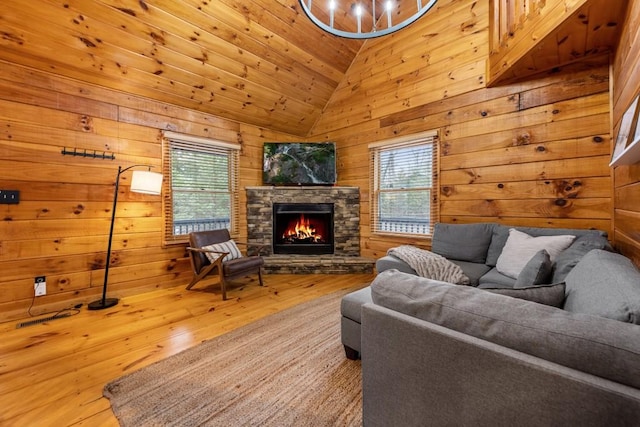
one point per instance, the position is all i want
(446, 191)
(566, 189)
(127, 11)
(12, 38)
(87, 42)
(522, 139)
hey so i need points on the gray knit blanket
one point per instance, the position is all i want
(430, 265)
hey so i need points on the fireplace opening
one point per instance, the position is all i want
(303, 228)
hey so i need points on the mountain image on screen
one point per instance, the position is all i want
(299, 163)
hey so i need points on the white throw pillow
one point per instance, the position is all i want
(228, 246)
(521, 247)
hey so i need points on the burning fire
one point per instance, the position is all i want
(303, 230)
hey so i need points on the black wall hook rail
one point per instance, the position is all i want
(88, 153)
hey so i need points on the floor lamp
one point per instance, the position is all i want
(145, 182)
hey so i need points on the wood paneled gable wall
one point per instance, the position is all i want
(532, 152)
(60, 227)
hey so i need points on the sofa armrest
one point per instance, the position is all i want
(415, 372)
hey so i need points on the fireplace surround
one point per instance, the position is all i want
(346, 229)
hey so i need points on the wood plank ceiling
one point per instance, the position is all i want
(260, 62)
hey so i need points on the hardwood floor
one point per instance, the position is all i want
(52, 374)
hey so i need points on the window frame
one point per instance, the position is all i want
(375, 149)
(171, 140)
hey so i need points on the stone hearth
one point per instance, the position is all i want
(346, 256)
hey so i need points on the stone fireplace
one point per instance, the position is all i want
(328, 235)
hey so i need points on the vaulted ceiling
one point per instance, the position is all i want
(260, 62)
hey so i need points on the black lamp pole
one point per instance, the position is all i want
(110, 302)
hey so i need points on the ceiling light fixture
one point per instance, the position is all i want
(355, 14)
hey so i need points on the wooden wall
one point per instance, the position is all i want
(534, 153)
(626, 85)
(60, 227)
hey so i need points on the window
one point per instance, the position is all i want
(404, 196)
(201, 184)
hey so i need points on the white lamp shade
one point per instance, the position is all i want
(146, 182)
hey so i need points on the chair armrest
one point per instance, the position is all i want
(258, 247)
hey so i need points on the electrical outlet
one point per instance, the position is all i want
(9, 197)
(40, 286)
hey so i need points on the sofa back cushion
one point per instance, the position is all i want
(501, 234)
(570, 257)
(604, 284)
(463, 242)
(602, 347)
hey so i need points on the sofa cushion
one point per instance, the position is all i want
(536, 271)
(596, 345)
(494, 279)
(501, 234)
(351, 304)
(521, 247)
(473, 270)
(604, 284)
(464, 242)
(570, 257)
(552, 295)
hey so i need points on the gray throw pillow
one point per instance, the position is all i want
(570, 339)
(536, 271)
(552, 295)
(570, 257)
(463, 242)
(604, 284)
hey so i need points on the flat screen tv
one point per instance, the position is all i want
(299, 163)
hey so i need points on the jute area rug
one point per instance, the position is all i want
(288, 369)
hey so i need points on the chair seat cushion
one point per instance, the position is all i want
(239, 265)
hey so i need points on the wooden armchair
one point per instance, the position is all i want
(205, 260)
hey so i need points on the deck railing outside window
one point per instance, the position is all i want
(184, 227)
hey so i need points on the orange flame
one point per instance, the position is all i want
(302, 230)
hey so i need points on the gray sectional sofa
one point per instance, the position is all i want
(565, 351)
